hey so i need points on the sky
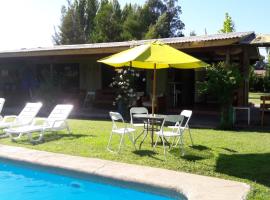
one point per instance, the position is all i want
(30, 23)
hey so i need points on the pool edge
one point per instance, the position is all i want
(138, 177)
(155, 189)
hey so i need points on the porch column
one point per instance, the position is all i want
(244, 88)
(246, 75)
(228, 57)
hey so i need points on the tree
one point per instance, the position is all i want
(228, 25)
(131, 29)
(91, 11)
(160, 29)
(149, 14)
(167, 22)
(86, 21)
(77, 22)
(173, 16)
(108, 26)
(70, 31)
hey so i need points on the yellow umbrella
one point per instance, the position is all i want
(155, 55)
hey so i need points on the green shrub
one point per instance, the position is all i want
(221, 82)
(259, 83)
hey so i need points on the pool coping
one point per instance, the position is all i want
(142, 177)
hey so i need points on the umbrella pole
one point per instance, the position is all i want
(154, 90)
(153, 102)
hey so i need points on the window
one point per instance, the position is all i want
(66, 76)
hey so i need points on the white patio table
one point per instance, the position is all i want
(151, 123)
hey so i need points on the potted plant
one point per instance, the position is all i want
(123, 83)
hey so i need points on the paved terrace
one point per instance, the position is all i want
(200, 118)
(162, 181)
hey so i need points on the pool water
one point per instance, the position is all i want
(23, 183)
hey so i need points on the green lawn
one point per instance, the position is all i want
(254, 97)
(242, 156)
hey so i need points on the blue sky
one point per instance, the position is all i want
(31, 22)
(248, 15)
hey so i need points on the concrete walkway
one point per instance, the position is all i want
(162, 181)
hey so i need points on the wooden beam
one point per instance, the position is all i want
(227, 58)
(244, 68)
(246, 75)
(65, 52)
(212, 43)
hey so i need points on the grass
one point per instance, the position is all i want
(235, 155)
(254, 97)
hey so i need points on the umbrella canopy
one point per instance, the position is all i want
(155, 55)
(147, 55)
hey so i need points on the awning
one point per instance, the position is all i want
(261, 40)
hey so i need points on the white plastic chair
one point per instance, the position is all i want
(25, 117)
(174, 133)
(186, 114)
(57, 120)
(137, 110)
(122, 131)
(89, 97)
(2, 102)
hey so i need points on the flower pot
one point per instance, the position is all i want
(122, 108)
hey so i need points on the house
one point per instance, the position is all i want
(67, 72)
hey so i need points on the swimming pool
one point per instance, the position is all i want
(18, 182)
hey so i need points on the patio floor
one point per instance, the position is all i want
(200, 118)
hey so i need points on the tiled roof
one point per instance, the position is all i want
(176, 40)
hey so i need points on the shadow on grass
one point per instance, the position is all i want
(193, 153)
(254, 167)
(159, 143)
(200, 147)
(229, 150)
(51, 136)
(192, 157)
(255, 129)
(245, 128)
(48, 137)
(147, 153)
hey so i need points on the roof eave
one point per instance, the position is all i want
(110, 48)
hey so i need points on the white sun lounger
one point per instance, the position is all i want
(55, 122)
(25, 117)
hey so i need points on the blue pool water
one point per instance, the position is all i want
(23, 183)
